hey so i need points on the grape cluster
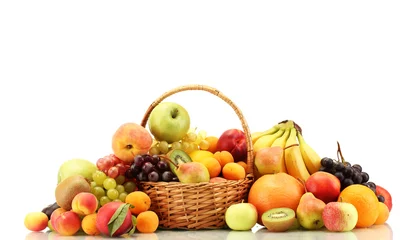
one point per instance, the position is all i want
(151, 168)
(112, 166)
(190, 142)
(108, 189)
(346, 173)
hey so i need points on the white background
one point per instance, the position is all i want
(72, 72)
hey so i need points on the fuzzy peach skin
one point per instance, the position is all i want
(129, 140)
(84, 203)
(36, 221)
(64, 222)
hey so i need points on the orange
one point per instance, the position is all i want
(224, 157)
(383, 215)
(147, 222)
(365, 202)
(275, 191)
(212, 140)
(233, 171)
(139, 200)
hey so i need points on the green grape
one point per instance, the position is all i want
(120, 179)
(93, 184)
(204, 145)
(104, 200)
(154, 151)
(129, 187)
(117, 200)
(99, 177)
(109, 183)
(122, 196)
(120, 188)
(163, 147)
(185, 146)
(112, 194)
(202, 134)
(193, 146)
(98, 192)
(176, 145)
(191, 137)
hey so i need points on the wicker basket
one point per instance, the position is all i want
(199, 205)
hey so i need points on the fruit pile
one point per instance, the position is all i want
(294, 188)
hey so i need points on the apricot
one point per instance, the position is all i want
(223, 157)
(213, 166)
(147, 222)
(84, 203)
(36, 221)
(88, 224)
(140, 201)
(233, 171)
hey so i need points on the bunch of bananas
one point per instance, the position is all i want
(299, 159)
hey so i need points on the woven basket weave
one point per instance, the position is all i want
(197, 205)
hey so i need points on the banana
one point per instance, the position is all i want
(293, 159)
(267, 140)
(310, 157)
(272, 130)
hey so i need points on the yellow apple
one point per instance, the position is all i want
(129, 140)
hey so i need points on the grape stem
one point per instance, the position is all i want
(168, 159)
(339, 154)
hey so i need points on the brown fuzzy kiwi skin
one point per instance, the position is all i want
(278, 219)
(66, 190)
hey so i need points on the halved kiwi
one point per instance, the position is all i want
(278, 219)
(178, 157)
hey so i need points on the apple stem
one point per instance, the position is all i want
(168, 159)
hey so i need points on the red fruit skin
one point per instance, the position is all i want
(324, 186)
(234, 141)
(387, 196)
(105, 214)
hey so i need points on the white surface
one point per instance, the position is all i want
(72, 72)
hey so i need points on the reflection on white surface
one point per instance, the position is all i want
(379, 232)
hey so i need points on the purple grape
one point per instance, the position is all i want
(138, 161)
(162, 166)
(340, 176)
(155, 159)
(147, 167)
(167, 176)
(153, 176)
(147, 158)
(357, 177)
(365, 177)
(142, 177)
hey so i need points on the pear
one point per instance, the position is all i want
(192, 172)
(309, 212)
(76, 166)
(270, 160)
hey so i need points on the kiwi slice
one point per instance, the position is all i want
(278, 219)
(177, 157)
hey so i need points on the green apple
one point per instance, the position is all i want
(241, 216)
(169, 122)
(76, 166)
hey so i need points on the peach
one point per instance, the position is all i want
(88, 224)
(106, 212)
(129, 140)
(65, 223)
(234, 141)
(84, 203)
(36, 221)
(324, 186)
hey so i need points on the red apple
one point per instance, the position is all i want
(233, 141)
(106, 212)
(324, 186)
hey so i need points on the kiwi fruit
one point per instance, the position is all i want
(177, 157)
(278, 219)
(67, 189)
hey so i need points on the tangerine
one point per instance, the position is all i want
(275, 191)
(365, 202)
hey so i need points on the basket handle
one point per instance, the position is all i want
(225, 99)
